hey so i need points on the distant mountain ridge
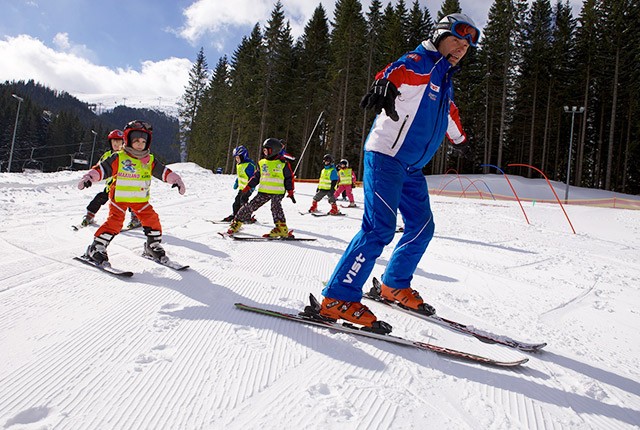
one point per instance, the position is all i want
(54, 125)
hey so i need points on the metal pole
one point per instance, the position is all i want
(15, 128)
(93, 147)
(308, 141)
(573, 111)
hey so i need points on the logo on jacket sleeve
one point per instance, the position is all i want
(415, 57)
(434, 87)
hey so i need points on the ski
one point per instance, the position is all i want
(251, 221)
(166, 262)
(77, 227)
(327, 214)
(105, 267)
(481, 335)
(350, 207)
(266, 239)
(127, 228)
(351, 329)
(250, 238)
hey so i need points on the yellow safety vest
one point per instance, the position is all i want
(345, 176)
(133, 179)
(325, 179)
(243, 179)
(271, 176)
(110, 180)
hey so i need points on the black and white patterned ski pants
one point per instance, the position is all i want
(245, 212)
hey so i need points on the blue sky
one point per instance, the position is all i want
(109, 50)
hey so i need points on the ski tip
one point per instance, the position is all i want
(535, 348)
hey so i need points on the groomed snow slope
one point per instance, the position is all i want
(167, 350)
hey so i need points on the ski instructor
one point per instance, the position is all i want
(413, 98)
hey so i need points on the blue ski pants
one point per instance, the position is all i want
(389, 186)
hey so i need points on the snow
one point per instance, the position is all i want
(81, 349)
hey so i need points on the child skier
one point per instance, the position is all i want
(327, 186)
(115, 139)
(347, 181)
(275, 177)
(245, 168)
(132, 168)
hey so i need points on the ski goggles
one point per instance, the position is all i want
(138, 134)
(464, 30)
(139, 125)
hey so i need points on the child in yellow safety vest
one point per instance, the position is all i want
(275, 178)
(133, 168)
(116, 139)
(327, 186)
(347, 182)
(245, 169)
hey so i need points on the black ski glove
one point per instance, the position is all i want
(463, 150)
(382, 95)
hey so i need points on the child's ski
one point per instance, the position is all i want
(77, 227)
(351, 329)
(327, 214)
(481, 335)
(105, 267)
(166, 262)
(265, 239)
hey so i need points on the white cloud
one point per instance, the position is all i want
(62, 42)
(210, 16)
(73, 73)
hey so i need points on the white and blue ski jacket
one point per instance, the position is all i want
(425, 107)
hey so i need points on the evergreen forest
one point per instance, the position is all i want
(516, 92)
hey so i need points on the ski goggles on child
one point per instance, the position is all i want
(464, 30)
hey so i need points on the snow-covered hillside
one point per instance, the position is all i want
(168, 350)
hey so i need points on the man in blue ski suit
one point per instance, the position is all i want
(413, 97)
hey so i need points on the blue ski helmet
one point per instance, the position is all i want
(241, 152)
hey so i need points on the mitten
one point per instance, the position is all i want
(174, 179)
(88, 178)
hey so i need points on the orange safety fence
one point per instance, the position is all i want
(612, 202)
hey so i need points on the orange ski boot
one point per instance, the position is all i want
(407, 297)
(354, 312)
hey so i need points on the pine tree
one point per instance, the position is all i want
(448, 7)
(248, 91)
(501, 55)
(314, 70)
(534, 76)
(585, 55)
(188, 107)
(616, 38)
(392, 35)
(419, 25)
(347, 76)
(212, 128)
(375, 61)
(279, 61)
